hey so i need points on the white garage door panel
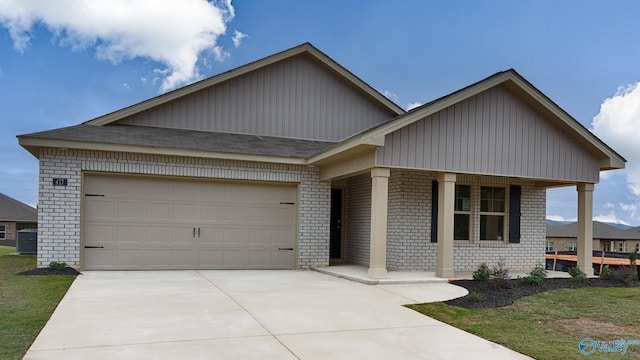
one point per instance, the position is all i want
(162, 223)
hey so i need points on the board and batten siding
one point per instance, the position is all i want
(493, 132)
(297, 98)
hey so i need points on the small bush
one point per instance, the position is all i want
(481, 273)
(536, 276)
(56, 265)
(634, 268)
(623, 274)
(577, 274)
(499, 274)
(476, 297)
(606, 273)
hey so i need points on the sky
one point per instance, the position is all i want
(64, 62)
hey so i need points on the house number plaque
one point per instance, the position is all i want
(59, 182)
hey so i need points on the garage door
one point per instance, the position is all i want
(161, 223)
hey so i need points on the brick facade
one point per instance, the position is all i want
(60, 206)
(409, 245)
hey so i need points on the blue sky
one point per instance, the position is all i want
(63, 62)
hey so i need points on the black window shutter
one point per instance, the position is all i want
(434, 211)
(514, 214)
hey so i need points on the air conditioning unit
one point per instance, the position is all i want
(27, 241)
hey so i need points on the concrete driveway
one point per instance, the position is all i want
(250, 315)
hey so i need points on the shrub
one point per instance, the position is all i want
(536, 276)
(56, 265)
(481, 273)
(577, 274)
(606, 273)
(623, 274)
(499, 274)
(476, 297)
(634, 268)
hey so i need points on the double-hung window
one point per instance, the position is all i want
(3, 231)
(462, 213)
(492, 213)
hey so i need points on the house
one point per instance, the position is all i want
(292, 160)
(605, 238)
(15, 216)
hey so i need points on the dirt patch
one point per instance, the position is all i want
(50, 271)
(582, 328)
(484, 295)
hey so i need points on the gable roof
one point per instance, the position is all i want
(607, 157)
(12, 210)
(600, 231)
(305, 48)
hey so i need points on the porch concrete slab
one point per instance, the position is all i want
(360, 273)
(249, 315)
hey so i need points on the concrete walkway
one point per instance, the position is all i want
(251, 315)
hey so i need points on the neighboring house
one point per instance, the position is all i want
(292, 160)
(15, 216)
(605, 237)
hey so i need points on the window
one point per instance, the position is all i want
(492, 206)
(549, 246)
(462, 213)
(573, 246)
(637, 247)
(621, 248)
(3, 232)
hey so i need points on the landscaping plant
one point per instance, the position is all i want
(481, 273)
(56, 265)
(536, 276)
(577, 274)
(632, 261)
(499, 274)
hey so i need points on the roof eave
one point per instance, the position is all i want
(33, 145)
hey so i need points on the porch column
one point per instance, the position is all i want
(378, 242)
(585, 227)
(446, 202)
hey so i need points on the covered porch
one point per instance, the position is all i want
(462, 180)
(418, 224)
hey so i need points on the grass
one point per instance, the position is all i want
(26, 302)
(550, 325)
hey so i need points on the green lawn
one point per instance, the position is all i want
(26, 301)
(550, 325)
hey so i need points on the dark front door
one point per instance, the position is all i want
(335, 244)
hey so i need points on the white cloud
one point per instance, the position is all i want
(608, 205)
(390, 95)
(610, 218)
(559, 218)
(173, 33)
(413, 105)
(631, 208)
(617, 124)
(237, 38)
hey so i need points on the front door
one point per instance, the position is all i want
(335, 243)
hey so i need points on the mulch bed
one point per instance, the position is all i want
(485, 295)
(50, 271)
